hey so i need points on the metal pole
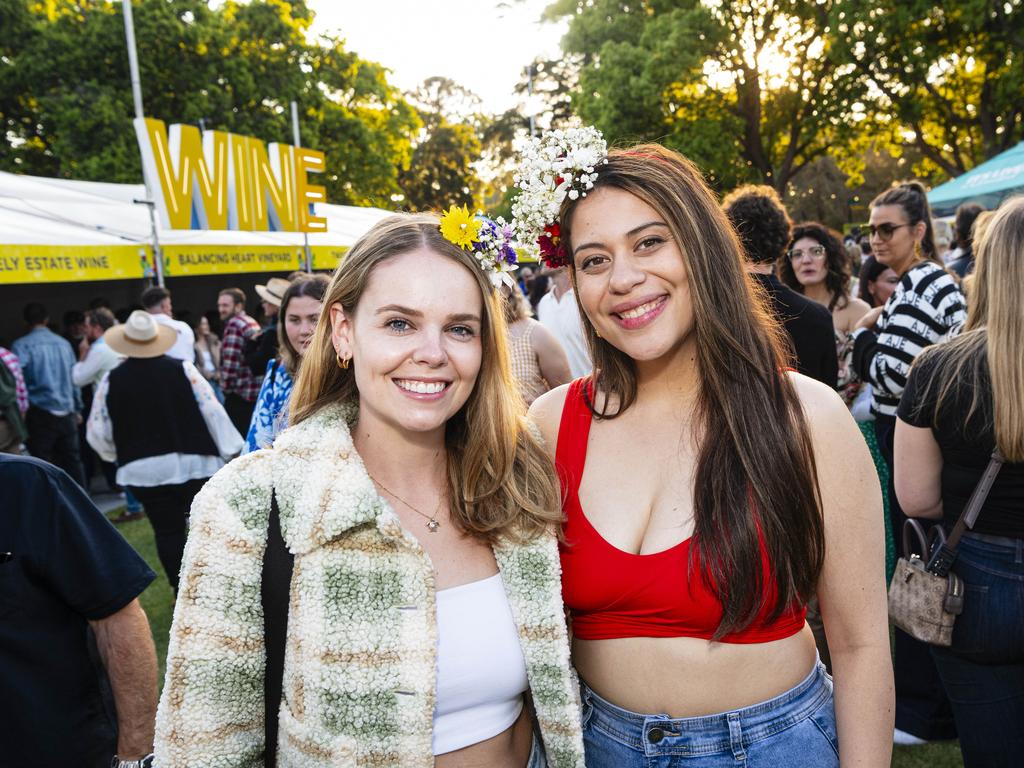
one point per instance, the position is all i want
(296, 142)
(133, 69)
(529, 91)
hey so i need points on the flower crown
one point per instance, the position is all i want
(560, 164)
(490, 240)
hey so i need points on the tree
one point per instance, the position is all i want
(946, 79)
(442, 170)
(67, 106)
(749, 90)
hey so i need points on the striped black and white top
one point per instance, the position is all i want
(926, 306)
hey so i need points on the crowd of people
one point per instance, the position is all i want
(696, 429)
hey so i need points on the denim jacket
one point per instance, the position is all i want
(46, 361)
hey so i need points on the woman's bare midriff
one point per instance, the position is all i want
(509, 749)
(690, 677)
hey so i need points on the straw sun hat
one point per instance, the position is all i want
(273, 291)
(141, 336)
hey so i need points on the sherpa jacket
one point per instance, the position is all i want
(360, 659)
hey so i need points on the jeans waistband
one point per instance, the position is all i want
(734, 729)
(1002, 541)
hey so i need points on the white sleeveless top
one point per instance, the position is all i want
(481, 673)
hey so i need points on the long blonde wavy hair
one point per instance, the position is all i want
(501, 483)
(987, 356)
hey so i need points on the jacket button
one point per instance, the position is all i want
(655, 735)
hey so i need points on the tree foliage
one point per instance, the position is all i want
(66, 104)
(945, 79)
(751, 91)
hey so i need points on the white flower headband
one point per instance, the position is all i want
(560, 164)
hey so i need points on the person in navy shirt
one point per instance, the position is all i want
(77, 662)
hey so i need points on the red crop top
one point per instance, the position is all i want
(612, 593)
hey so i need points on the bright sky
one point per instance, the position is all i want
(483, 45)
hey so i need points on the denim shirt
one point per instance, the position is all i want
(46, 361)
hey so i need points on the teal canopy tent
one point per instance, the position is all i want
(989, 184)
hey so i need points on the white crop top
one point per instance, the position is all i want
(481, 674)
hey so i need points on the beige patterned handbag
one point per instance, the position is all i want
(925, 599)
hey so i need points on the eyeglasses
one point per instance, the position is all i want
(815, 252)
(885, 231)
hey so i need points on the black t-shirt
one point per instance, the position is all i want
(810, 327)
(61, 564)
(966, 446)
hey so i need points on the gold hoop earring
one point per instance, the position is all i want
(918, 251)
(342, 361)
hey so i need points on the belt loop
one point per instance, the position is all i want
(1020, 551)
(736, 737)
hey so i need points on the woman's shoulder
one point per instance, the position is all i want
(546, 413)
(820, 401)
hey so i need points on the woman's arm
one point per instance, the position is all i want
(554, 364)
(851, 590)
(917, 471)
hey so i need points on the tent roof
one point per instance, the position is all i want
(989, 183)
(37, 210)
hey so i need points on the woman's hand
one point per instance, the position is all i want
(869, 319)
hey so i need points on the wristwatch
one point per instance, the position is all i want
(144, 762)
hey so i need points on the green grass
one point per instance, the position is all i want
(158, 602)
(158, 599)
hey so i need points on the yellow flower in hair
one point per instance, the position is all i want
(460, 227)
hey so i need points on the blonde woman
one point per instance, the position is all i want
(963, 399)
(424, 608)
(538, 361)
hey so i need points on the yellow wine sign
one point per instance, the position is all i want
(221, 180)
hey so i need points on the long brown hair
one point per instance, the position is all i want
(501, 483)
(987, 358)
(761, 456)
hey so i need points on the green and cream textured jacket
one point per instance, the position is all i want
(360, 658)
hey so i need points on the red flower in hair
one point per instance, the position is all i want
(551, 249)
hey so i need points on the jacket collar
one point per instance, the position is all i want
(322, 487)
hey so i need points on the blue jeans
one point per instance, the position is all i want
(538, 759)
(796, 728)
(983, 671)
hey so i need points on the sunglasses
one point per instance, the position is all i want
(886, 231)
(815, 252)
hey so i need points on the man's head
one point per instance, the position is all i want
(230, 302)
(97, 321)
(35, 314)
(966, 215)
(760, 219)
(157, 301)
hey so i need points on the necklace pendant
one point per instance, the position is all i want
(433, 525)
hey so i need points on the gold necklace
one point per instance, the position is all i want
(432, 524)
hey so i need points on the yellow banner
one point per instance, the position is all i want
(72, 263)
(184, 260)
(327, 257)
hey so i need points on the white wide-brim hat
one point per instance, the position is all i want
(141, 336)
(273, 291)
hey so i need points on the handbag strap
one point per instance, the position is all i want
(942, 559)
(275, 590)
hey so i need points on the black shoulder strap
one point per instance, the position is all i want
(276, 592)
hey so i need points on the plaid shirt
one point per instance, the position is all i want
(235, 376)
(11, 361)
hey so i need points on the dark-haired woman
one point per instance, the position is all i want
(963, 399)
(704, 501)
(816, 265)
(926, 306)
(296, 321)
